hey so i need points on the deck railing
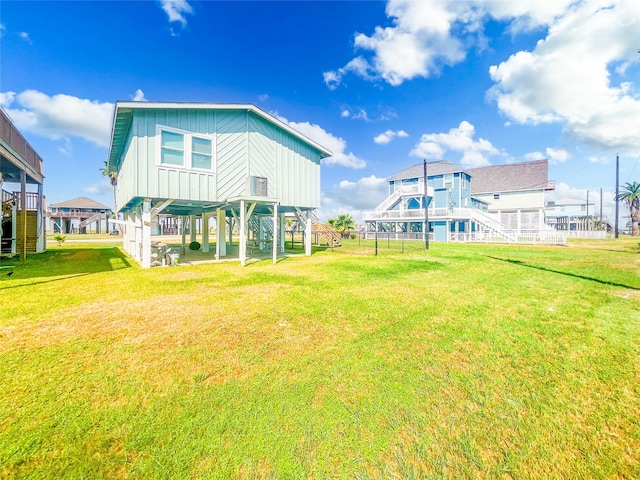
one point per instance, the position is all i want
(16, 141)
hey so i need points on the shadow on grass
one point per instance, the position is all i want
(68, 262)
(568, 274)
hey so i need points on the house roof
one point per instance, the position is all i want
(123, 115)
(433, 168)
(81, 203)
(510, 178)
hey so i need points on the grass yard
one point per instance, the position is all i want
(467, 361)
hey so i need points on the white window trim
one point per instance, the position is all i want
(188, 150)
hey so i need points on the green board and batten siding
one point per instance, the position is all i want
(245, 145)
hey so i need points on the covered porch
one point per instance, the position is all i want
(21, 181)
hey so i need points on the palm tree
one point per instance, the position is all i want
(630, 195)
(113, 178)
(344, 224)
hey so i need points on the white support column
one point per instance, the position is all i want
(275, 236)
(183, 225)
(42, 219)
(146, 233)
(233, 217)
(307, 235)
(205, 231)
(137, 245)
(242, 248)
(281, 233)
(192, 228)
(221, 237)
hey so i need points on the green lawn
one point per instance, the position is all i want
(466, 361)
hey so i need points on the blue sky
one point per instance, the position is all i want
(381, 84)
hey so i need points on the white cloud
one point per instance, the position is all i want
(3, 28)
(59, 116)
(460, 140)
(357, 114)
(6, 99)
(102, 188)
(358, 65)
(353, 197)
(336, 145)
(557, 155)
(263, 97)
(554, 155)
(567, 77)
(382, 113)
(386, 137)
(25, 36)
(139, 96)
(176, 10)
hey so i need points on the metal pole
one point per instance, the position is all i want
(600, 207)
(588, 210)
(426, 207)
(617, 193)
(376, 238)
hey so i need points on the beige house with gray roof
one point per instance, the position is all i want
(514, 192)
(78, 215)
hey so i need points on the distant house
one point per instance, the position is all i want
(21, 183)
(79, 215)
(228, 163)
(502, 202)
(577, 219)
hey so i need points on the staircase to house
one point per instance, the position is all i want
(325, 231)
(88, 221)
(492, 226)
(5, 223)
(260, 231)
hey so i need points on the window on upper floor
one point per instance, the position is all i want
(201, 153)
(448, 180)
(496, 196)
(185, 150)
(172, 148)
(463, 181)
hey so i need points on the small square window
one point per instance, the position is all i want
(201, 153)
(172, 148)
(496, 196)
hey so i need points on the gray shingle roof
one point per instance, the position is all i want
(433, 168)
(509, 178)
(81, 203)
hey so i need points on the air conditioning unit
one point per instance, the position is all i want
(258, 187)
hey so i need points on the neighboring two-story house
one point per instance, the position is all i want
(79, 215)
(503, 202)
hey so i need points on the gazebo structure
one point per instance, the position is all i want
(230, 163)
(23, 224)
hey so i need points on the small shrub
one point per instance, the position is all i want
(59, 238)
(194, 246)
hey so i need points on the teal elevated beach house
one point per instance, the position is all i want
(217, 164)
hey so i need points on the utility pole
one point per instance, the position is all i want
(588, 210)
(601, 207)
(426, 207)
(617, 192)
